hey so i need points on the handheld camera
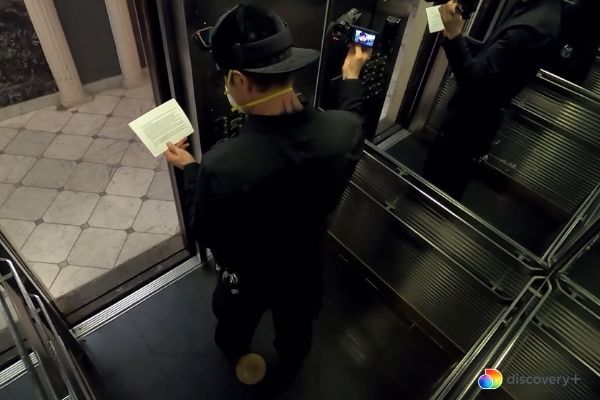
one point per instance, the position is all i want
(344, 30)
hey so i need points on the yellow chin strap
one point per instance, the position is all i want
(267, 97)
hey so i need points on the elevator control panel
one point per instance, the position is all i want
(373, 76)
(228, 126)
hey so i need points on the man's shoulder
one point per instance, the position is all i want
(234, 151)
(338, 130)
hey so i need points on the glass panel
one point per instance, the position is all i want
(81, 198)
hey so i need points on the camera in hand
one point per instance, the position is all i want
(345, 31)
(343, 27)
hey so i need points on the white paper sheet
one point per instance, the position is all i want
(434, 19)
(165, 123)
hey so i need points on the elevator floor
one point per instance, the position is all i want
(163, 348)
(520, 219)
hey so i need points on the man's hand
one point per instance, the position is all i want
(177, 154)
(453, 21)
(355, 61)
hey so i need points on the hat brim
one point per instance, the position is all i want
(298, 59)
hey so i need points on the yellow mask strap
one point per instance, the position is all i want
(264, 99)
(256, 102)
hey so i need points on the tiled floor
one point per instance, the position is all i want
(79, 194)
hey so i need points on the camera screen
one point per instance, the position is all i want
(364, 38)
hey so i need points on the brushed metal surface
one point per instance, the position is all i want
(561, 170)
(450, 236)
(445, 294)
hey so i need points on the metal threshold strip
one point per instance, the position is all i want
(122, 306)
(15, 371)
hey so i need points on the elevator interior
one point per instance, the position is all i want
(477, 293)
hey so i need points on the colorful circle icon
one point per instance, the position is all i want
(491, 379)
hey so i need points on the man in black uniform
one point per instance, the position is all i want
(260, 201)
(489, 75)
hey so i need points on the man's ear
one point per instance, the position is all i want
(240, 80)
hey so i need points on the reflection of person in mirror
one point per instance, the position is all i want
(489, 75)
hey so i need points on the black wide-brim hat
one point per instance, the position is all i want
(271, 51)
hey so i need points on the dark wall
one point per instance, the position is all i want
(24, 73)
(88, 32)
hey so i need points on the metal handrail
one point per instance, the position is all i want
(467, 362)
(53, 345)
(61, 367)
(557, 249)
(436, 196)
(567, 85)
(41, 378)
(423, 238)
(509, 346)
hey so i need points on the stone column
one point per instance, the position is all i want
(56, 49)
(120, 23)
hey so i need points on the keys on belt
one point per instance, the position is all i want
(231, 282)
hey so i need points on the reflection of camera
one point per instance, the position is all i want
(343, 28)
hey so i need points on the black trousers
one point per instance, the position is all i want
(293, 309)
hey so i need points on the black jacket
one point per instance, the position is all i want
(260, 201)
(490, 74)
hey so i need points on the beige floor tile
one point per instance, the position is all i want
(138, 243)
(137, 155)
(157, 216)
(132, 182)
(71, 208)
(6, 135)
(97, 248)
(101, 104)
(27, 203)
(133, 107)
(117, 91)
(161, 188)
(48, 120)
(14, 168)
(30, 143)
(6, 190)
(84, 124)
(48, 173)
(163, 164)
(106, 151)
(143, 92)
(45, 272)
(72, 277)
(17, 122)
(68, 147)
(89, 177)
(115, 212)
(50, 243)
(117, 128)
(16, 231)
